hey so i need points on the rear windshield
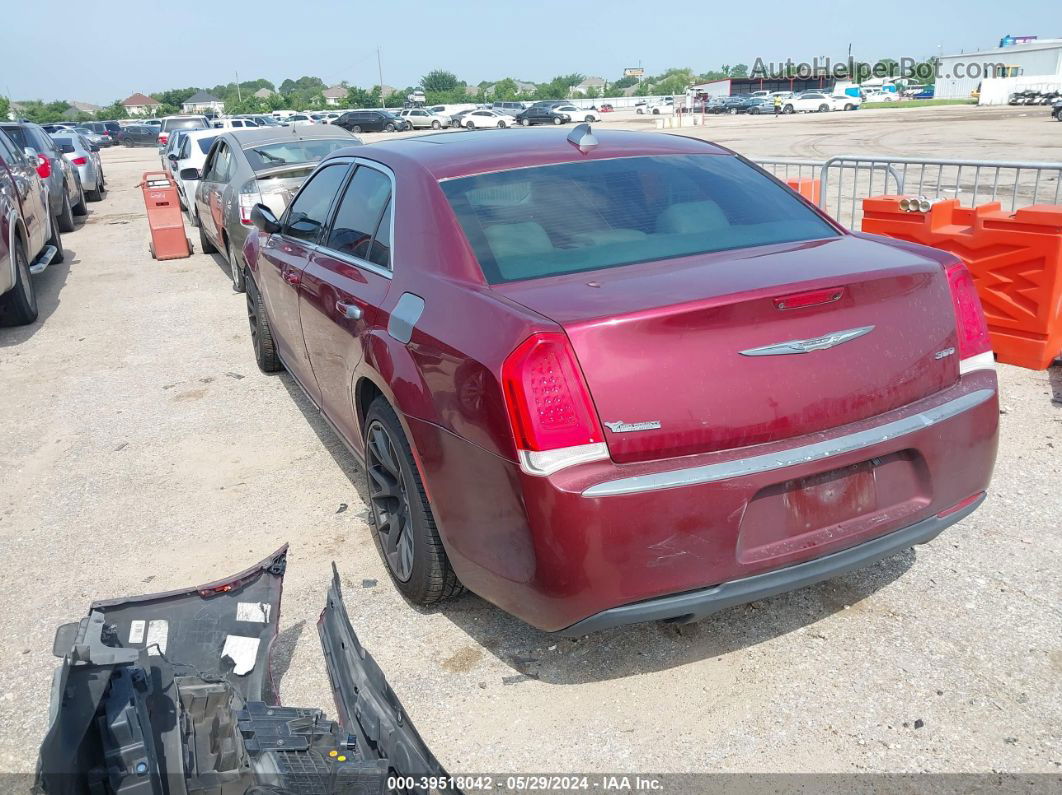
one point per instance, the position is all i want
(183, 124)
(66, 144)
(545, 221)
(292, 152)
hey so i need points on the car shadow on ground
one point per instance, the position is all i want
(632, 650)
(48, 286)
(644, 648)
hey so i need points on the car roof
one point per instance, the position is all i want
(458, 154)
(248, 136)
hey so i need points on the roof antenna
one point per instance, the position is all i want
(582, 137)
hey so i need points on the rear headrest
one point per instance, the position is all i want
(514, 240)
(689, 217)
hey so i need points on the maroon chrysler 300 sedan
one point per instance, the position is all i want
(630, 377)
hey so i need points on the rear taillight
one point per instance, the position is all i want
(163, 138)
(249, 197)
(975, 347)
(553, 419)
(79, 161)
(44, 167)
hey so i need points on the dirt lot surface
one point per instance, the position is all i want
(141, 450)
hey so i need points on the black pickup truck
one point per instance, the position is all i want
(29, 235)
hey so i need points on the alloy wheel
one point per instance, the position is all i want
(389, 501)
(252, 318)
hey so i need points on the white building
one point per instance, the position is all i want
(203, 102)
(1036, 62)
(335, 95)
(140, 105)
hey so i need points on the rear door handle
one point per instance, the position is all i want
(349, 311)
(292, 277)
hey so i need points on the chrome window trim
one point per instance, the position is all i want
(358, 262)
(754, 465)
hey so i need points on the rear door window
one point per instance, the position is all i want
(535, 222)
(358, 229)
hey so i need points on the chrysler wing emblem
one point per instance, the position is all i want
(807, 346)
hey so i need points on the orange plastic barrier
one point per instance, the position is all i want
(165, 221)
(1015, 259)
(809, 188)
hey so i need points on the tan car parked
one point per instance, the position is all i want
(421, 118)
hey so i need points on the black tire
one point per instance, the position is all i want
(239, 279)
(403, 525)
(656, 111)
(390, 128)
(525, 122)
(204, 244)
(501, 125)
(558, 120)
(435, 125)
(80, 209)
(787, 109)
(824, 108)
(470, 126)
(732, 111)
(56, 240)
(265, 349)
(849, 106)
(356, 128)
(589, 119)
(18, 306)
(65, 219)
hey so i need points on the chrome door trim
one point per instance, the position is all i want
(754, 465)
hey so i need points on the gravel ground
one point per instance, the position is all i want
(142, 450)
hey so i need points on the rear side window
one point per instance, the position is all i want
(358, 228)
(204, 143)
(535, 222)
(18, 135)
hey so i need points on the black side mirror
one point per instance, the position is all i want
(190, 173)
(263, 218)
(172, 156)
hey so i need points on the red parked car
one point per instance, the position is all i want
(625, 378)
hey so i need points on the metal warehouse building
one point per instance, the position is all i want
(1036, 62)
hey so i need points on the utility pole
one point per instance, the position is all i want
(379, 68)
(239, 95)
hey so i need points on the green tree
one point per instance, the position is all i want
(506, 89)
(5, 107)
(439, 81)
(175, 97)
(113, 111)
(624, 82)
(360, 98)
(592, 92)
(740, 70)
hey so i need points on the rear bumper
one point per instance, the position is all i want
(592, 539)
(694, 605)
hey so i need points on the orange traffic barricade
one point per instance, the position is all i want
(1015, 259)
(165, 221)
(808, 187)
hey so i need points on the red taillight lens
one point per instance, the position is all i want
(970, 325)
(79, 161)
(163, 138)
(549, 404)
(44, 167)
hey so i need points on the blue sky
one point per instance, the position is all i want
(117, 48)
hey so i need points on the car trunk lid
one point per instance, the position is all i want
(725, 350)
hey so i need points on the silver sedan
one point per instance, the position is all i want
(85, 157)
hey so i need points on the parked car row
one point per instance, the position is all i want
(45, 180)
